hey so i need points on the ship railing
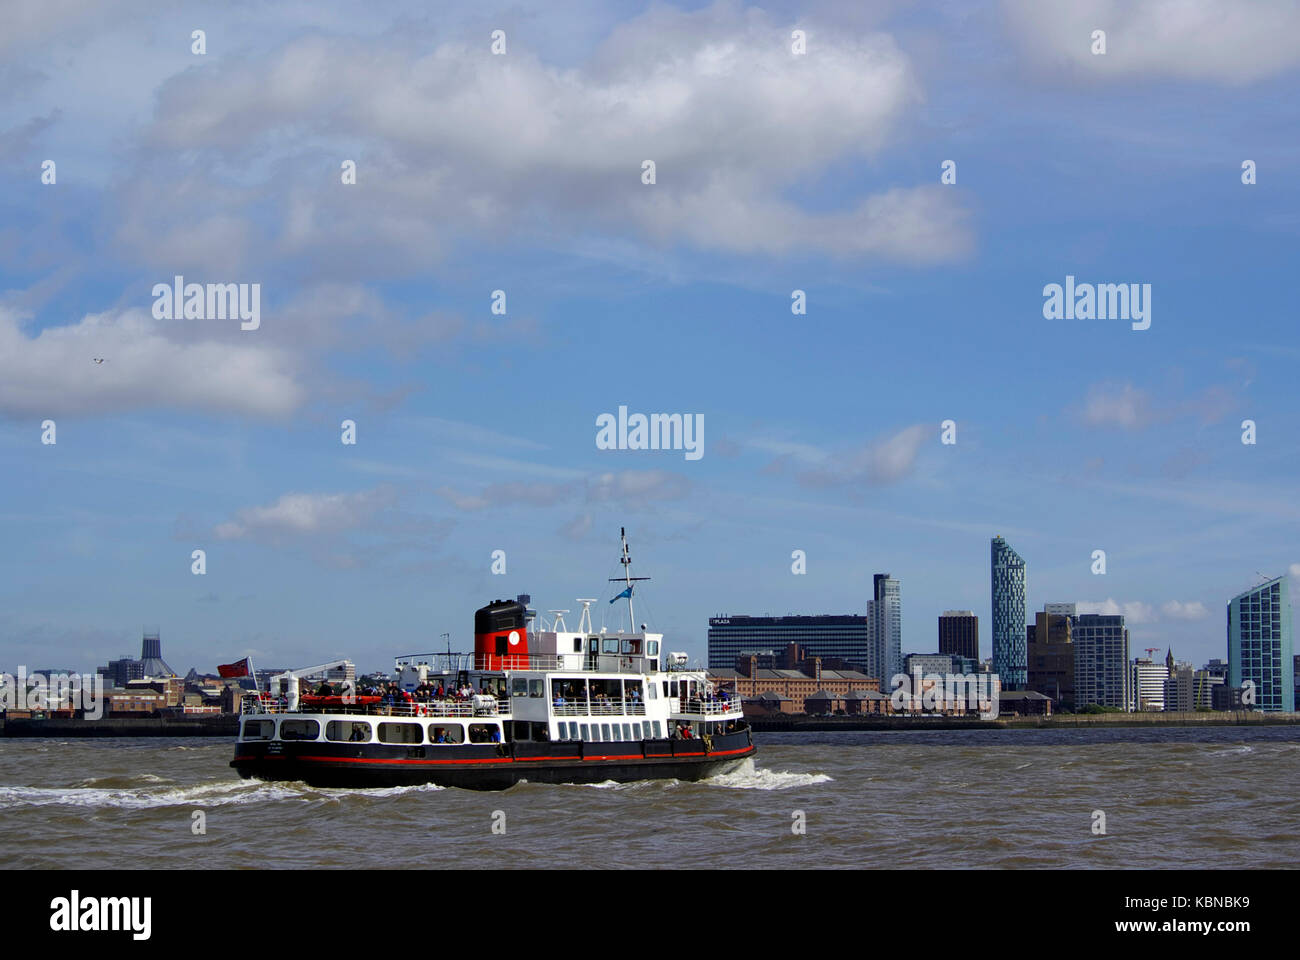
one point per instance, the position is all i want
(479, 707)
(599, 708)
(707, 708)
(518, 661)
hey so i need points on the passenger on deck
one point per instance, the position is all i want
(324, 690)
(439, 735)
(496, 735)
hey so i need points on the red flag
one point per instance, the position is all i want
(240, 669)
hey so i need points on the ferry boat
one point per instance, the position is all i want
(543, 705)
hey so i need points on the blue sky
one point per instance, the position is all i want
(522, 172)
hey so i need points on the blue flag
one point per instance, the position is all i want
(626, 593)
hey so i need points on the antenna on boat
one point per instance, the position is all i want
(628, 579)
(558, 623)
(586, 614)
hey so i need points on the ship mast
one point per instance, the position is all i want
(627, 579)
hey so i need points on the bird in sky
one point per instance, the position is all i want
(98, 359)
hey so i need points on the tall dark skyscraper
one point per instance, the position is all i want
(1007, 574)
(959, 633)
(884, 630)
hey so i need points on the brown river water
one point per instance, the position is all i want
(1171, 797)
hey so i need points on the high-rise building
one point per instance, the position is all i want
(1180, 688)
(1148, 685)
(1007, 571)
(1050, 655)
(1259, 644)
(884, 629)
(843, 637)
(1102, 674)
(959, 633)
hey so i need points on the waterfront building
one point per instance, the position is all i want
(1007, 576)
(1204, 684)
(1102, 674)
(750, 680)
(1148, 685)
(1049, 656)
(927, 663)
(884, 629)
(959, 633)
(1259, 644)
(1180, 688)
(843, 637)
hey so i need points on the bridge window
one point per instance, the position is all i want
(299, 730)
(401, 733)
(535, 688)
(446, 733)
(519, 686)
(611, 645)
(258, 729)
(348, 731)
(577, 644)
(652, 648)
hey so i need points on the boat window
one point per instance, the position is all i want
(652, 691)
(652, 648)
(585, 734)
(627, 731)
(401, 733)
(617, 732)
(258, 729)
(577, 644)
(632, 647)
(604, 731)
(519, 686)
(574, 733)
(482, 732)
(446, 733)
(611, 645)
(659, 731)
(348, 731)
(535, 688)
(299, 730)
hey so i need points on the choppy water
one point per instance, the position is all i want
(1222, 797)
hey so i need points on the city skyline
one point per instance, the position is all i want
(925, 398)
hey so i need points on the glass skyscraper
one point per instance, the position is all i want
(1010, 655)
(884, 630)
(1259, 644)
